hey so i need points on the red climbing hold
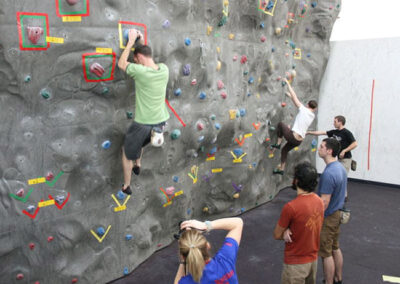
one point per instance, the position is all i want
(224, 95)
(34, 34)
(235, 58)
(283, 104)
(20, 192)
(20, 276)
(97, 69)
(37, 282)
(49, 239)
(74, 280)
(31, 246)
(263, 38)
(72, 2)
(49, 176)
(200, 126)
(194, 82)
(220, 85)
(243, 60)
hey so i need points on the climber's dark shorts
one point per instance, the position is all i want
(138, 136)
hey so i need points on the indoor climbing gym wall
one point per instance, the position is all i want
(65, 107)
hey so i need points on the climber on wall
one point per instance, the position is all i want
(150, 109)
(296, 135)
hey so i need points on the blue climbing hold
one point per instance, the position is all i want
(176, 133)
(186, 70)
(248, 94)
(262, 25)
(200, 139)
(126, 35)
(217, 126)
(178, 92)
(106, 144)
(270, 5)
(251, 80)
(120, 195)
(202, 96)
(187, 41)
(242, 112)
(213, 150)
(188, 211)
(126, 271)
(292, 45)
(273, 49)
(128, 237)
(308, 55)
(238, 152)
(175, 178)
(314, 142)
(314, 4)
(100, 231)
(254, 164)
(242, 209)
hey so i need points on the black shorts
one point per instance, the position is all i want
(138, 136)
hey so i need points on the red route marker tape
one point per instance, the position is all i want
(177, 116)
(60, 206)
(370, 121)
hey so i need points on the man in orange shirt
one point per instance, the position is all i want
(300, 226)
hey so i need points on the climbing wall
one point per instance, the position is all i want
(65, 106)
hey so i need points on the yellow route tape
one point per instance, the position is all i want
(46, 203)
(72, 19)
(37, 180)
(103, 50)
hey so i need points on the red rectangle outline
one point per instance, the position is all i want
(81, 15)
(137, 24)
(20, 30)
(99, 80)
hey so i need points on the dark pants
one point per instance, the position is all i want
(285, 131)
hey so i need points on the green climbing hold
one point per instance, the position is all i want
(176, 133)
(129, 114)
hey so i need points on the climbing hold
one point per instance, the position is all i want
(218, 49)
(27, 78)
(278, 78)
(175, 178)
(283, 83)
(248, 94)
(202, 96)
(236, 195)
(60, 199)
(251, 80)
(186, 70)
(20, 276)
(120, 195)
(232, 113)
(193, 82)
(187, 41)
(231, 36)
(97, 69)
(217, 126)
(205, 209)
(34, 34)
(314, 142)
(31, 209)
(31, 246)
(220, 85)
(238, 152)
(126, 271)
(200, 139)
(242, 112)
(254, 164)
(129, 115)
(213, 151)
(223, 95)
(100, 231)
(20, 192)
(245, 72)
(286, 54)
(176, 133)
(72, 2)
(74, 280)
(262, 25)
(235, 58)
(242, 209)
(283, 104)
(106, 144)
(272, 128)
(296, 148)
(50, 238)
(219, 64)
(105, 91)
(278, 31)
(273, 49)
(209, 30)
(314, 4)
(263, 38)
(45, 94)
(178, 92)
(128, 237)
(200, 126)
(49, 176)
(166, 24)
(292, 44)
(243, 60)
(188, 211)
(308, 55)
(213, 117)
(170, 190)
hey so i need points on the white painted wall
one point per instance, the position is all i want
(346, 89)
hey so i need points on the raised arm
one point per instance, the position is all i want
(291, 94)
(234, 226)
(123, 60)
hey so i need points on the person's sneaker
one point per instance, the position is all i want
(337, 282)
(278, 172)
(127, 190)
(276, 146)
(136, 170)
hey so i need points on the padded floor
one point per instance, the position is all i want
(369, 242)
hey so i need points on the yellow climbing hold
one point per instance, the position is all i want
(205, 209)
(218, 49)
(296, 148)
(231, 36)
(219, 65)
(278, 31)
(271, 155)
(232, 113)
(209, 30)
(226, 2)
(236, 195)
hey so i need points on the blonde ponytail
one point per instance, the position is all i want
(193, 246)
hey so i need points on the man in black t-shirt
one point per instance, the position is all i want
(346, 139)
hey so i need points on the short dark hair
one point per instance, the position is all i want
(306, 176)
(313, 104)
(341, 118)
(332, 144)
(143, 49)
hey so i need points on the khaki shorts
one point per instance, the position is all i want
(330, 235)
(299, 273)
(346, 164)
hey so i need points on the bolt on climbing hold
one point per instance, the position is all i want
(200, 139)
(231, 36)
(262, 25)
(166, 24)
(236, 195)
(100, 231)
(205, 209)
(283, 104)
(31, 246)
(238, 152)
(200, 126)
(213, 117)
(278, 31)
(129, 115)
(186, 70)
(223, 95)
(170, 190)
(128, 237)
(218, 49)
(34, 34)
(106, 144)
(49, 176)
(72, 2)
(105, 90)
(202, 95)
(187, 41)
(217, 126)
(31, 209)
(97, 69)
(50, 238)
(273, 49)
(20, 192)
(126, 271)
(27, 78)
(220, 85)
(175, 178)
(263, 38)
(243, 60)
(242, 112)
(219, 64)
(60, 199)
(209, 30)
(20, 276)
(314, 4)
(120, 195)
(178, 92)
(251, 80)
(176, 133)
(245, 72)
(308, 55)
(74, 280)
(45, 94)
(193, 82)
(272, 128)
(235, 58)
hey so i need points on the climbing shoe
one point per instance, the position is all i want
(127, 190)
(276, 146)
(278, 172)
(136, 170)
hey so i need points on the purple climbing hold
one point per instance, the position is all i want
(186, 70)
(31, 209)
(34, 34)
(166, 24)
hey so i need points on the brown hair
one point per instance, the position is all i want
(341, 119)
(193, 247)
(332, 144)
(143, 49)
(313, 104)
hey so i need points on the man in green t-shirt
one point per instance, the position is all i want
(150, 109)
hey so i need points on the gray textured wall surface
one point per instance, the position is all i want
(54, 120)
